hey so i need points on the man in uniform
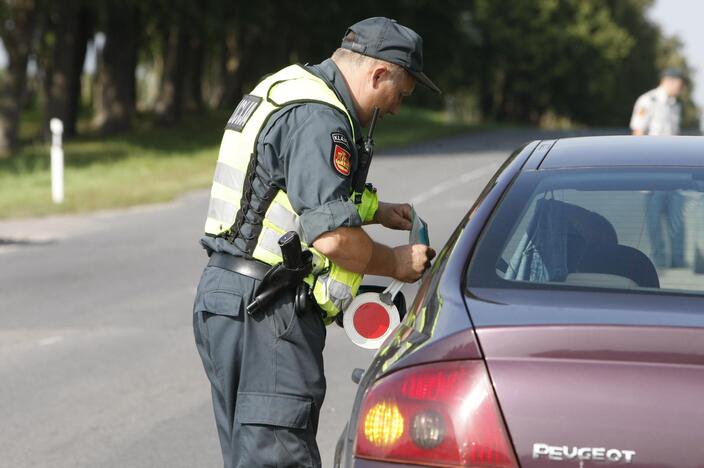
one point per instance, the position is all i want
(657, 112)
(288, 161)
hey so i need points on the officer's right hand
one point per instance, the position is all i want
(411, 261)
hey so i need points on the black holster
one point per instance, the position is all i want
(285, 276)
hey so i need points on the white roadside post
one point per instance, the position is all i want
(57, 161)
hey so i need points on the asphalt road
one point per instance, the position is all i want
(98, 367)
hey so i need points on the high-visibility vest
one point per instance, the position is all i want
(333, 286)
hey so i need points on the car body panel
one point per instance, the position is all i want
(625, 151)
(612, 387)
(636, 344)
(572, 369)
(361, 463)
(494, 307)
(439, 310)
(420, 337)
(537, 156)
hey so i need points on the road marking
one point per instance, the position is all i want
(452, 183)
(50, 340)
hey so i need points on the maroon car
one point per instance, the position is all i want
(561, 325)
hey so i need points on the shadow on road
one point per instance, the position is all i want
(23, 242)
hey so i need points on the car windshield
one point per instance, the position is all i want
(634, 229)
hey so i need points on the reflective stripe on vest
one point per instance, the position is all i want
(333, 287)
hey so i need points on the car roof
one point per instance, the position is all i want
(624, 150)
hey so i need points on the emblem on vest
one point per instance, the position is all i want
(243, 112)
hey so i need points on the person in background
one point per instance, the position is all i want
(657, 112)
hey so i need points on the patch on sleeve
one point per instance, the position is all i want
(642, 111)
(243, 112)
(340, 139)
(341, 156)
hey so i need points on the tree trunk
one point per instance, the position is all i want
(193, 84)
(238, 65)
(117, 99)
(229, 66)
(243, 63)
(16, 31)
(72, 26)
(169, 105)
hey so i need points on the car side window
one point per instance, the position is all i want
(626, 231)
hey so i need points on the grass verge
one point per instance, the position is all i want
(152, 164)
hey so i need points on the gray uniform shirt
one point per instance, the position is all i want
(307, 150)
(656, 113)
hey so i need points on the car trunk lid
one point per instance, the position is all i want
(589, 395)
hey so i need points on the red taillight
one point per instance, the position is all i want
(441, 414)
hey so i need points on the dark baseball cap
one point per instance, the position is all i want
(385, 39)
(672, 72)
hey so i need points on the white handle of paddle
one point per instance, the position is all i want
(390, 292)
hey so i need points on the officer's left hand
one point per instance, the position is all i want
(394, 215)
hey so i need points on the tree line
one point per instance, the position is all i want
(533, 61)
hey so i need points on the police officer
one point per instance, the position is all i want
(288, 160)
(657, 112)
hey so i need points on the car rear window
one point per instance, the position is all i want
(629, 229)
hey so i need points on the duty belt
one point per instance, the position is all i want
(252, 268)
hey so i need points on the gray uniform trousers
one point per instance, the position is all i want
(265, 371)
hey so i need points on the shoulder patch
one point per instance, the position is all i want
(243, 112)
(340, 139)
(341, 159)
(341, 154)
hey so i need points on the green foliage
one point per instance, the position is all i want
(531, 61)
(584, 60)
(548, 54)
